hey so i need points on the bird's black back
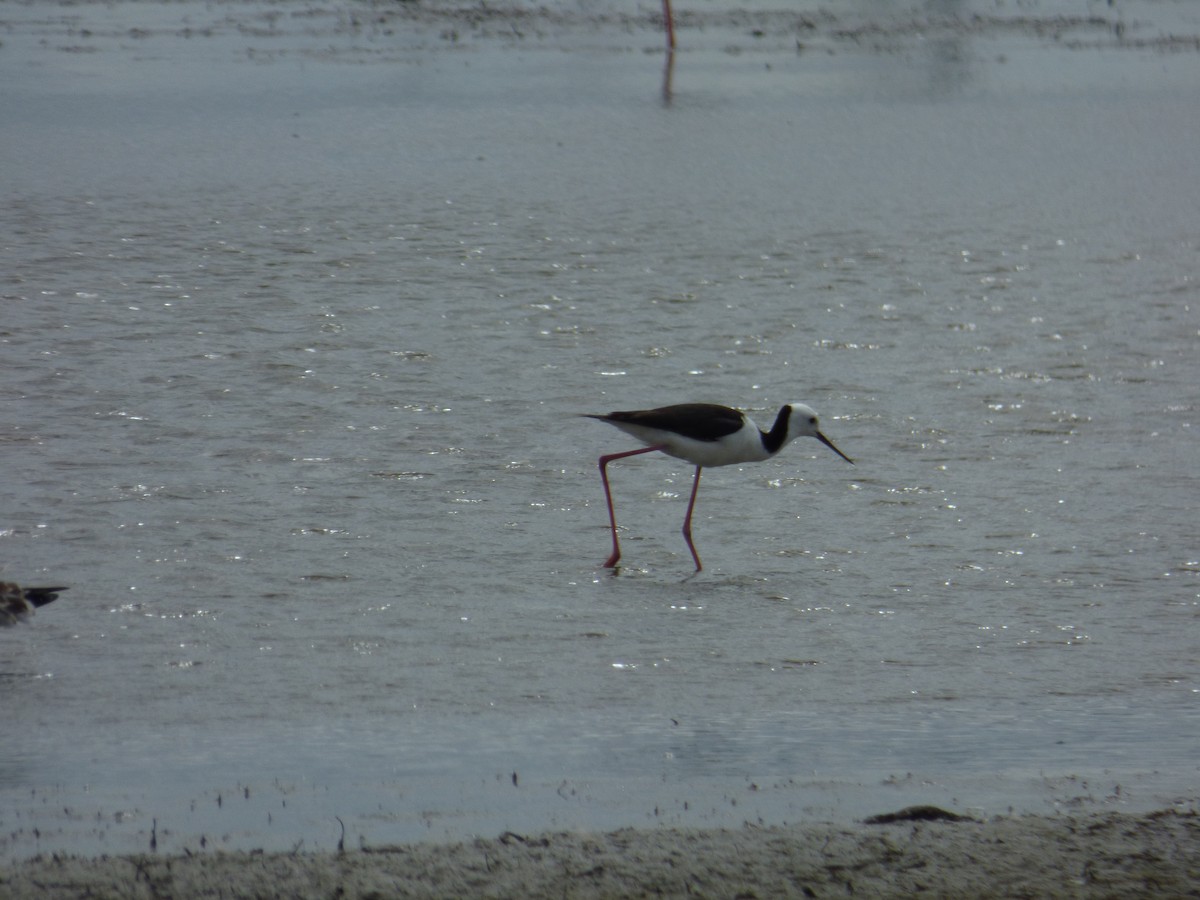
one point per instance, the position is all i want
(698, 421)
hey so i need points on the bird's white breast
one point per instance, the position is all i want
(744, 445)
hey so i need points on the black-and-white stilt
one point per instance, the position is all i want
(17, 603)
(705, 434)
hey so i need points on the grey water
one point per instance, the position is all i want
(293, 351)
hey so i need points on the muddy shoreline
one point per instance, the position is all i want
(1029, 856)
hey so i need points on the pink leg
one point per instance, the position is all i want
(612, 516)
(687, 522)
(669, 21)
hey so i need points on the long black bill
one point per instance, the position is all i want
(828, 443)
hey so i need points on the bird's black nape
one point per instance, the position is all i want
(774, 439)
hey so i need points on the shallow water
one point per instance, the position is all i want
(293, 347)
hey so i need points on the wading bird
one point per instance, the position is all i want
(17, 603)
(705, 434)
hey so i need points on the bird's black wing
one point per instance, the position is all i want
(698, 421)
(40, 596)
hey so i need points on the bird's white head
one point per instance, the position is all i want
(802, 421)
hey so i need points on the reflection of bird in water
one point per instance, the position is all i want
(17, 603)
(705, 434)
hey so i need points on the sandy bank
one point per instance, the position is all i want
(1099, 855)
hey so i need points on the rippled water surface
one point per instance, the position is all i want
(294, 339)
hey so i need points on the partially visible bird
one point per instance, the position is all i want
(17, 603)
(705, 434)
